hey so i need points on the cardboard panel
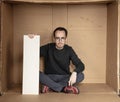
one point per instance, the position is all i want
(29, 18)
(0, 52)
(118, 48)
(31, 65)
(59, 16)
(87, 33)
(87, 26)
(6, 44)
(60, 1)
(112, 34)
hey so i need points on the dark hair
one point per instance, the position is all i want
(60, 29)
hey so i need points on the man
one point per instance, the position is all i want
(57, 56)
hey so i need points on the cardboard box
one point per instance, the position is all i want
(93, 34)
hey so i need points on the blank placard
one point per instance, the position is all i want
(31, 51)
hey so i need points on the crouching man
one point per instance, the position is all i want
(57, 57)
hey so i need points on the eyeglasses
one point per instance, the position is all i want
(60, 39)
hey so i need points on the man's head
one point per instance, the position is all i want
(60, 35)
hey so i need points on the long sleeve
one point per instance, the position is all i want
(79, 66)
(58, 61)
(43, 50)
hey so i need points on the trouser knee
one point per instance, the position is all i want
(80, 77)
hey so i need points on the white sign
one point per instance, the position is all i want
(31, 56)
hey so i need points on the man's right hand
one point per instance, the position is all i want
(31, 35)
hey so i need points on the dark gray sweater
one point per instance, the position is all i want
(58, 61)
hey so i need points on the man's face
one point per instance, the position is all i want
(60, 39)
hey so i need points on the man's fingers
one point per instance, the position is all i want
(70, 83)
(31, 35)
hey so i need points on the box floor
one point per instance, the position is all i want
(88, 93)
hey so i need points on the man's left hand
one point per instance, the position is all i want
(72, 79)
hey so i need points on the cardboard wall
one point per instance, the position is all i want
(6, 44)
(112, 42)
(119, 47)
(92, 34)
(0, 51)
(29, 19)
(87, 26)
(61, 1)
(87, 34)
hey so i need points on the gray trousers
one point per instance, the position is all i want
(58, 82)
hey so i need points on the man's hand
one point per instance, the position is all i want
(72, 79)
(31, 35)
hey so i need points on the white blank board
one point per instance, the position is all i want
(31, 51)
